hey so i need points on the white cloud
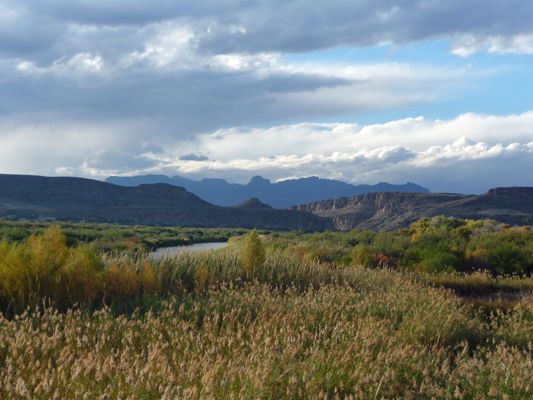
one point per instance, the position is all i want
(79, 64)
(465, 46)
(470, 153)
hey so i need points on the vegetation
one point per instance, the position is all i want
(254, 253)
(439, 244)
(357, 315)
(108, 237)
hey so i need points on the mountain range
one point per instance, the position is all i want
(278, 195)
(79, 199)
(160, 204)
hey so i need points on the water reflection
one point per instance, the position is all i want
(172, 251)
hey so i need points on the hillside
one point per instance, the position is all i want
(78, 199)
(391, 211)
(278, 195)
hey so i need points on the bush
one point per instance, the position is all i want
(442, 262)
(254, 253)
(45, 268)
(506, 259)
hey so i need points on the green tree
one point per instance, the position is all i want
(254, 253)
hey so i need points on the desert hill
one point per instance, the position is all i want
(278, 195)
(76, 199)
(391, 211)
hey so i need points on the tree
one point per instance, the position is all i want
(254, 253)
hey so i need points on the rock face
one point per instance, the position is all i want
(75, 199)
(391, 211)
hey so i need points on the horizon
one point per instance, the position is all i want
(434, 94)
(105, 180)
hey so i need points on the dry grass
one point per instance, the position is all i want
(291, 327)
(382, 336)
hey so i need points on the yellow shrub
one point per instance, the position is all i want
(149, 281)
(121, 281)
(81, 280)
(478, 259)
(203, 279)
(254, 253)
(45, 268)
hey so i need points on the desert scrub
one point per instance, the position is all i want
(44, 267)
(388, 337)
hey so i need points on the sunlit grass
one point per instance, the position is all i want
(201, 326)
(386, 337)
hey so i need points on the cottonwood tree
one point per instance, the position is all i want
(254, 253)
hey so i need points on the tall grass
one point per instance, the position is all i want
(293, 326)
(388, 337)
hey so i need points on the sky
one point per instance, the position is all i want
(439, 93)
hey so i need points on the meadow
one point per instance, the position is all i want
(285, 315)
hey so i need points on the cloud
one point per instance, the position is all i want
(152, 148)
(465, 46)
(468, 154)
(192, 157)
(198, 66)
(190, 102)
(94, 88)
(49, 29)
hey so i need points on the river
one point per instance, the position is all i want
(171, 251)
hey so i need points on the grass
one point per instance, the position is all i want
(295, 326)
(382, 336)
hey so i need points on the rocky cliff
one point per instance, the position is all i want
(390, 211)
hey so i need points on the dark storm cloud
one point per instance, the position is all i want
(270, 25)
(195, 101)
(152, 148)
(142, 70)
(192, 157)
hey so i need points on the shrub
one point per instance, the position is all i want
(121, 281)
(203, 280)
(506, 259)
(363, 255)
(442, 261)
(45, 268)
(254, 253)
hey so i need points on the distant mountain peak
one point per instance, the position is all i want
(282, 194)
(254, 203)
(259, 181)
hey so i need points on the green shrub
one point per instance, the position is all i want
(442, 262)
(506, 259)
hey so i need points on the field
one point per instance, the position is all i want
(285, 315)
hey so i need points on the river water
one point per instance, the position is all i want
(171, 251)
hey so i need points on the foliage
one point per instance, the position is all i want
(45, 268)
(254, 253)
(309, 322)
(382, 335)
(108, 237)
(435, 244)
